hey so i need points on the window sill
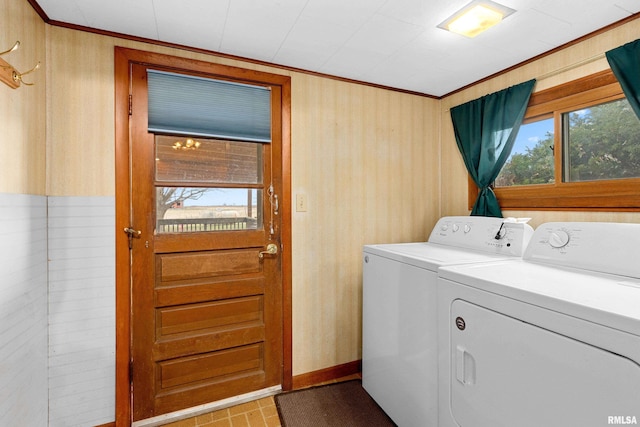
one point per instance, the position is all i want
(614, 195)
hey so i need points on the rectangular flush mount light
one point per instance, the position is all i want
(476, 17)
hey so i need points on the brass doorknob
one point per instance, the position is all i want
(272, 249)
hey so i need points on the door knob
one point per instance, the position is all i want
(272, 249)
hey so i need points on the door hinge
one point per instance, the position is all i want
(131, 372)
(130, 104)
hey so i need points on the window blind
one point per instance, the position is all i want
(189, 105)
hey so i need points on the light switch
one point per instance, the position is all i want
(301, 203)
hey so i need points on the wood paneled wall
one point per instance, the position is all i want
(375, 166)
(80, 115)
(22, 110)
(366, 159)
(23, 223)
(578, 60)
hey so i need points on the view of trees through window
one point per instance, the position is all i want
(531, 160)
(601, 142)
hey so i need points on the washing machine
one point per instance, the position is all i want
(399, 355)
(550, 340)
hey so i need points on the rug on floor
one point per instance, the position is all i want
(344, 404)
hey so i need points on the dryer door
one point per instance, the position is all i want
(505, 372)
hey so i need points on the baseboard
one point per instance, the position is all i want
(327, 374)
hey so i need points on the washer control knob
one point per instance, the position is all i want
(444, 227)
(501, 234)
(558, 238)
(456, 227)
(467, 228)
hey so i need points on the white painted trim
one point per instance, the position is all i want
(207, 407)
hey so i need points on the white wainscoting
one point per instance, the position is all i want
(23, 310)
(81, 311)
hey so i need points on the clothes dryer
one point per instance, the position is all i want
(549, 340)
(399, 356)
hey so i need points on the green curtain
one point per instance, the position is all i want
(625, 63)
(485, 130)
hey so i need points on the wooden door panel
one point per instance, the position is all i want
(206, 309)
(209, 316)
(213, 339)
(146, 386)
(227, 385)
(185, 292)
(193, 344)
(210, 367)
(183, 266)
(168, 243)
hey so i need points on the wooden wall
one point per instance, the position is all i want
(375, 165)
(23, 223)
(366, 159)
(22, 110)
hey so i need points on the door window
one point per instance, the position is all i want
(207, 185)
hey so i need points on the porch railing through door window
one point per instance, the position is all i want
(205, 224)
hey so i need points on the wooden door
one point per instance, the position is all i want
(206, 301)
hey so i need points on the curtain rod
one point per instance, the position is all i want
(571, 67)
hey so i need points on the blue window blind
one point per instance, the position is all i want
(188, 105)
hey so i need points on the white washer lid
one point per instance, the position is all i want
(606, 299)
(431, 256)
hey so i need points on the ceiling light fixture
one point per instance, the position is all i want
(476, 17)
(189, 144)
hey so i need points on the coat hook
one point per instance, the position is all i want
(9, 75)
(17, 77)
(15, 47)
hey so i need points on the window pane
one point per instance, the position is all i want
(603, 142)
(207, 160)
(190, 209)
(531, 160)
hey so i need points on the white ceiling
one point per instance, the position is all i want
(394, 43)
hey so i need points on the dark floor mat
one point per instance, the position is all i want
(344, 404)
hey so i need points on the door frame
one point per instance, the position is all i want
(123, 58)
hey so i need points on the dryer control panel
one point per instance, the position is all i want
(595, 246)
(504, 236)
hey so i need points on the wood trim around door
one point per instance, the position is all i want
(124, 57)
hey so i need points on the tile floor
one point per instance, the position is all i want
(258, 413)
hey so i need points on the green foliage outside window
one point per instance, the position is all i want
(601, 142)
(604, 143)
(533, 166)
